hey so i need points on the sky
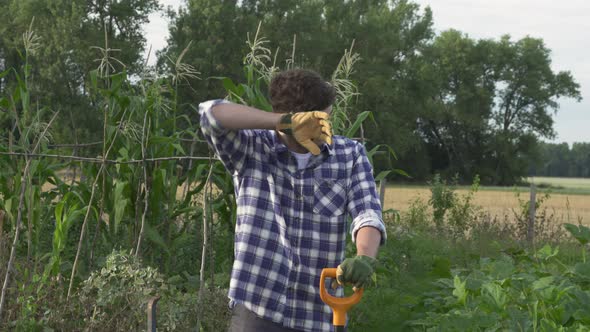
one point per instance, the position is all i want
(563, 25)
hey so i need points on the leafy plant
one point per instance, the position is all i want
(442, 199)
(463, 212)
(115, 298)
(580, 233)
(529, 291)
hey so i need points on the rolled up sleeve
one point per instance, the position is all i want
(363, 202)
(231, 146)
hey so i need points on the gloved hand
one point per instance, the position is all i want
(356, 271)
(306, 127)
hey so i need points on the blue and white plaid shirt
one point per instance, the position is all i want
(291, 223)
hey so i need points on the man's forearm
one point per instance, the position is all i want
(367, 241)
(235, 116)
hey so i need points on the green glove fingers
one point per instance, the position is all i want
(356, 271)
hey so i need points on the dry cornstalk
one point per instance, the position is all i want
(204, 249)
(147, 187)
(19, 215)
(2, 214)
(82, 231)
(16, 233)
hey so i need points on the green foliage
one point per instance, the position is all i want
(533, 290)
(115, 298)
(463, 211)
(451, 212)
(103, 207)
(456, 104)
(465, 129)
(106, 206)
(118, 293)
(420, 90)
(580, 233)
(63, 44)
(442, 199)
(561, 160)
(438, 282)
(417, 215)
(66, 213)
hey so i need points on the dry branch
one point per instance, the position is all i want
(147, 186)
(205, 244)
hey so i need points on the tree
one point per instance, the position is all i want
(563, 161)
(67, 32)
(486, 103)
(527, 93)
(313, 34)
(580, 160)
(458, 86)
(211, 36)
(450, 104)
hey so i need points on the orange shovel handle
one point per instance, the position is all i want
(339, 305)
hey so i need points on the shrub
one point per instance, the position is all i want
(115, 299)
(442, 199)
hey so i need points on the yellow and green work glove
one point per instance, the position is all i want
(306, 127)
(357, 271)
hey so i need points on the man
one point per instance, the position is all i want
(295, 187)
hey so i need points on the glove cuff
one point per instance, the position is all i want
(368, 259)
(285, 124)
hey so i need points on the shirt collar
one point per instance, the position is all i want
(279, 146)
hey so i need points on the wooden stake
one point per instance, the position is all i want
(532, 215)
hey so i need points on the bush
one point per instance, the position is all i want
(115, 299)
(417, 216)
(442, 199)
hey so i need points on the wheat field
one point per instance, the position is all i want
(565, 207)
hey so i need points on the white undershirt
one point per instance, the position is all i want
(302, 159)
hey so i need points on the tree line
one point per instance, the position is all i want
(446, 103)
(563, 161)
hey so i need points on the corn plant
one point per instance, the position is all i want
(32, 134)
(126, 195)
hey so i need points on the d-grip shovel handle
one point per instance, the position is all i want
(340, 305)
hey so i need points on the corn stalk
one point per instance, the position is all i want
(206, 212)
(23, 183)
(86, 216)
(146, 184)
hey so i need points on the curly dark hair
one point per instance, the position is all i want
(300, 90)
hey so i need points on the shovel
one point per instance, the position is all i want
(339, 305)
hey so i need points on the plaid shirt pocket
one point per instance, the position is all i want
(329, 197)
